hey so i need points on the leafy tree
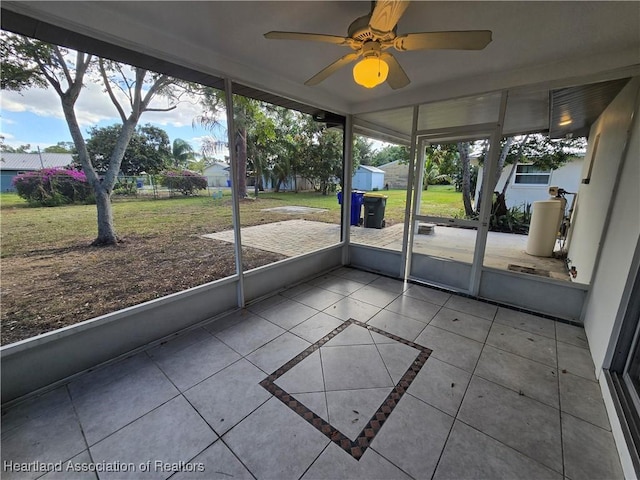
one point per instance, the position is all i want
(21, 149)
(181, 153)
(390, 153)
(198, 164)
(245, 111)
(19, 71)
(61, 147)
(362, 151)
(263, 144)
(29, 63)
(148, 150)
(321, 154)
(445, 156)
(432, 173)
(211, 147)
(285, 150)
(439, 163)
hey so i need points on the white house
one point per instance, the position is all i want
(530, 184)
(217, 175)
(368, 178)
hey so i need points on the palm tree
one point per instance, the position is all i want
(244, 110)
(432, 172)
(181, 153)
(281, 172)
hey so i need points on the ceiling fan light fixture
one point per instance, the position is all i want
(371, 71)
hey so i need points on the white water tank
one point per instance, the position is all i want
(545, 222)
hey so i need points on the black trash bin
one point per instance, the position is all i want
(374, 206)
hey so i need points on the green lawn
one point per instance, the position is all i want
(52, 277)
(25, 229)
(441, 200)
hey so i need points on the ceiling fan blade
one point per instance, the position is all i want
(331, 69)
(397, 77)
(386, 14)
(310, 37)
(464, 40)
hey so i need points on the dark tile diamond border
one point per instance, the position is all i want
(354, 448)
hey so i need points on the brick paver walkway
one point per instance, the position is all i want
(290, 238)
(297, 237)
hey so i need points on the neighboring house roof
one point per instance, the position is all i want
(371, 169)
(217, 167)
(31, 161)
(391, 164)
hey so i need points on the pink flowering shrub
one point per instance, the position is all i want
(184, 181)
(53, 186)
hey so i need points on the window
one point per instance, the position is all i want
(624, 373)
(532, 175)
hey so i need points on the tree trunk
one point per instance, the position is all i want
(514, 166)
(241, 145)
(506, 184)
(463, 150)
(106, 232)
(501, 161)
(503, 157)
(104, 187)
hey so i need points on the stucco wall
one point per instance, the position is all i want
(594, 198)
(622, 236)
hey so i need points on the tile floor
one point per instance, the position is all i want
(349, 375)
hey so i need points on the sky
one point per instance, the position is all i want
(35, 117)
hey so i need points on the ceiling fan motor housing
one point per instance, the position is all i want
(359, 29)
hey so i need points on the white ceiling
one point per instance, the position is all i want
(534, 43)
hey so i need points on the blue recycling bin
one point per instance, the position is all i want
(357, 199)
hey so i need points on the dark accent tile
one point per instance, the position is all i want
(357, 447)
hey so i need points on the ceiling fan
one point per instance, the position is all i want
(371, 35)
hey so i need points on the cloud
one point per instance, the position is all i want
(42, 102)
(182, 116)
(94, 106)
